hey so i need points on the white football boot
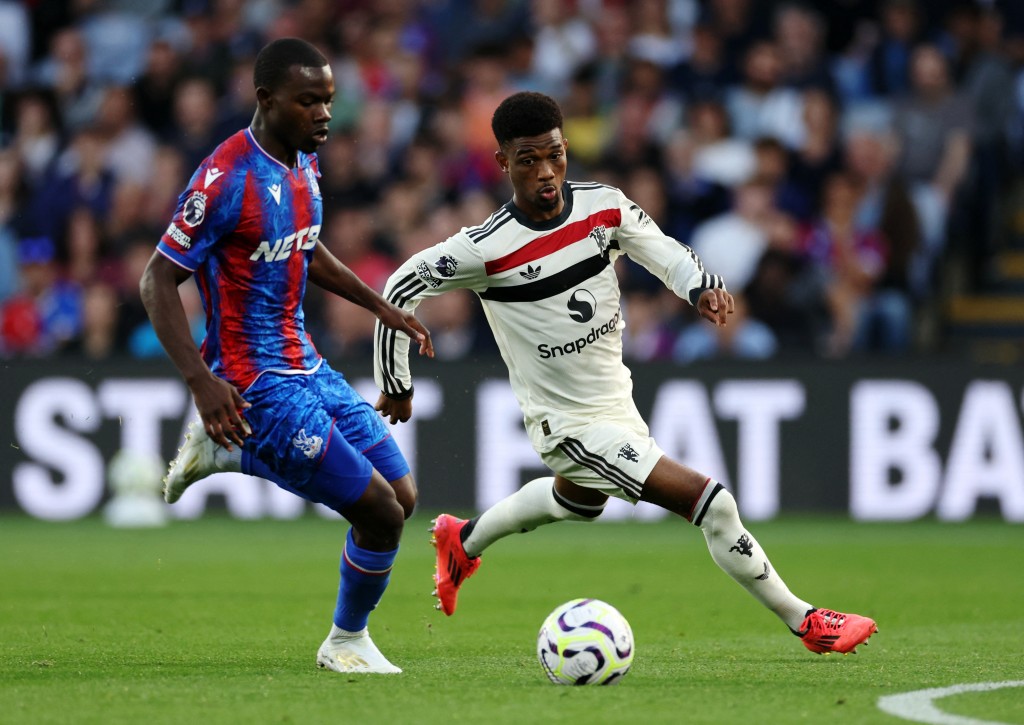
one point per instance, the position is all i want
(197, 458)
(353, 652)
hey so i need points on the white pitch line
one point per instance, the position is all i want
(918, 706)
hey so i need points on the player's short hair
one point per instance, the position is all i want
(277, 57)
(525, 114)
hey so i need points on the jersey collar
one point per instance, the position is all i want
(550, 224)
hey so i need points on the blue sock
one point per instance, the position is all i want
(364, 577)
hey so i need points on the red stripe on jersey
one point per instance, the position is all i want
(236, 353)
(297, 262)
(550, 243)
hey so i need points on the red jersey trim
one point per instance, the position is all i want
(553, 242)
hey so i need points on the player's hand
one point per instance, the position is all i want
(714, 305)
(220, 405)
(399, 411)
(398, 319)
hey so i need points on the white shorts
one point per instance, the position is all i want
(612, 455)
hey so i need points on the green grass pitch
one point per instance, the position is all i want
(219, 621)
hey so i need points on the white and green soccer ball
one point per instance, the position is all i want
(585, 642)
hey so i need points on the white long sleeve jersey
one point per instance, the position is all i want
(551, 296)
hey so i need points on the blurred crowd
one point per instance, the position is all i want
(825, 157)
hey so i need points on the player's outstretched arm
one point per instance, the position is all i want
(327, 271)
(217, 401)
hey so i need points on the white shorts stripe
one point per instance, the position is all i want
(575, 450)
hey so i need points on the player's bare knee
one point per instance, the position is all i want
(406, 494)
(567, 510)
(381, 530)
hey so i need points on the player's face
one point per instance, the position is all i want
(536, 166)
(301, 108)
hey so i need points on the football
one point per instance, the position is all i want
(585, 642)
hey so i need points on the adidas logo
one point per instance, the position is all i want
(351, 661)
(530, 272)
(454, 570)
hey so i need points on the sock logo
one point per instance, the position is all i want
(743, 547)
(767, 573)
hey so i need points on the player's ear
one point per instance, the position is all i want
(263, 97)
(502, 160)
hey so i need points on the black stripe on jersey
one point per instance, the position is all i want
(549, 286)
(498, 219)
(487, 223)
(575, 450)
(403, 290)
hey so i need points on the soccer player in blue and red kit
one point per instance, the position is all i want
(248, 228)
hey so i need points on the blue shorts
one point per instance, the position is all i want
(315, 436)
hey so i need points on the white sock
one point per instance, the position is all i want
(227, 460)
(341, 635)
(741, 557)
(533, 505)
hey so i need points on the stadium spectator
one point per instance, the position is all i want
(612, 30)
(934, 123)
(648, 334)
(773, 167)
(564, 41)
(129, 146)
(693, 197)
(83, 247)
(889, 66)
(585, 123)
(80, 178)
(820, 154)
(760, 105)
(485, 83)
(161, 192)
(99, 321)
(844, 263)
(719, 157)
(737, 23)
(195, 119)
(985, 78)
(733, 243)
(155, 88)
(11, 199)
(800, 36)
(65, 70)
(704, 74)
(15, 44)
(656, 38)
(36, 135)
(45, 315)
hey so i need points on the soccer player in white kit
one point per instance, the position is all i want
(542, 268)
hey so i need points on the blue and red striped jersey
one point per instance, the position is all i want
(247, 226)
